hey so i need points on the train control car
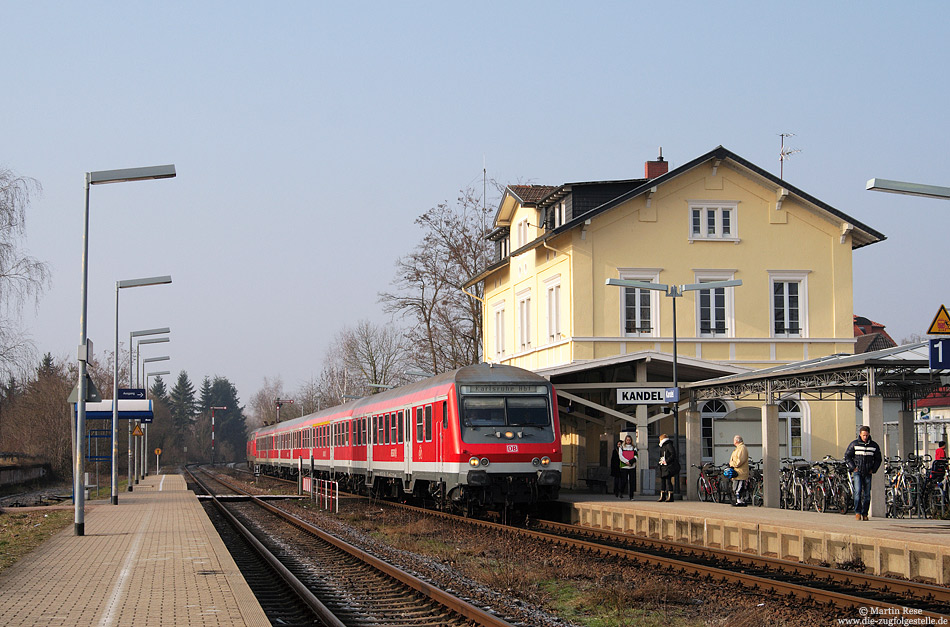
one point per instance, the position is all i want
(483, 436)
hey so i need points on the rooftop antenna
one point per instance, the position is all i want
(484, 185)
(785, 153)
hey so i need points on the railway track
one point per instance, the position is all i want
(847, 590)
(352, 587)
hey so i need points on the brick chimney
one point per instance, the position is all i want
(653, 169)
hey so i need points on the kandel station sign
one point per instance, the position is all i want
(641, 396)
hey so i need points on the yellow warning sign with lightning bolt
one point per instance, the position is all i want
(941, 323)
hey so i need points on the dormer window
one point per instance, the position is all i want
(522, 233)
(560, 213)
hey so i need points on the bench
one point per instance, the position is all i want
(597, 477)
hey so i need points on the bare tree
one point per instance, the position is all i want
(22, 277)
(41, 417)
(308, 396)
(376, 354)
(447, 323)
(263, 407)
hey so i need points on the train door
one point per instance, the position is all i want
(370, 440)
(406, 420)
(433, 425)
(334, 431)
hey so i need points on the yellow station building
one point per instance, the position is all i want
(547, 306)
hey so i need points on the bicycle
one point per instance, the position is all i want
(708, 484)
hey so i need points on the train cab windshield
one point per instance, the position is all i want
(488, 418)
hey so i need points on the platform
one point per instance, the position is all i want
(909, 547)
(153, 559)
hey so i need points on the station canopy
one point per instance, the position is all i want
(129, 409)
(900, 372)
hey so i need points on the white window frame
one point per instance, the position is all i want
(499, 319)
(648, 275)
(708, 420)
(522, 232)
(524, 320)
(729, 318)
(560, 213)
(552, 290)
(717, 212)
(804, 424)
(505, 247)
(789, 276)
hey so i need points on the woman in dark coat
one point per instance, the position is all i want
(668, 468)
(615, 469)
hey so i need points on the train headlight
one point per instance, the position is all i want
(473, 462)
(484, 461)
(545, 461)
(509, 434)
(535, 462)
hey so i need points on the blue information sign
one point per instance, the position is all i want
(940, 354)
(136, 393)
(672, 395)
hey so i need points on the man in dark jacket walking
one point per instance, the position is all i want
(863, 458)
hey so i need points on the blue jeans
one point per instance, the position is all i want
(862, 492)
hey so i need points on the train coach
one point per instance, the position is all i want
(483, 436)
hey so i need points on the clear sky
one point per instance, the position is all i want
(308, 136)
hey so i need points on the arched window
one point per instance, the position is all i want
(709, 412)
(791, 412)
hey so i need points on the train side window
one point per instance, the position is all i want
(386, 429)
(394, 429)
(440, 414)
(418, 424)
(428, 423)
(400, 432)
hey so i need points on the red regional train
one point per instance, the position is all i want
(480, 437)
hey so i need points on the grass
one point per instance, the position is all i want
(21, 532)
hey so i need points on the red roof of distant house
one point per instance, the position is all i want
(940, 398)
(866, 327)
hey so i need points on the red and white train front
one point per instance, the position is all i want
(479, 436)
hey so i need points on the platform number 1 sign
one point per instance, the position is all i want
(940, 354)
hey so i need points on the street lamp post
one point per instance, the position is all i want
(145, 442)
(212, 431)
(138, 351)
(101, 177)
(134, 451)
(158, 280)
(674, 292)
(910, 189)
(141, 333)
(147, 375)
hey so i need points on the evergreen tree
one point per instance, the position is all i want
(204, 397)
(230, 424)
(182, 406)
(47, 367)
(159, 391)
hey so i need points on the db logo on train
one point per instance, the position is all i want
(512, 448)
